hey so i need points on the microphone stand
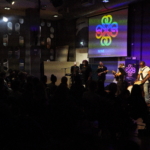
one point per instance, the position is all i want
(65, 70)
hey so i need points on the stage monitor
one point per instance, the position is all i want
(108, 35)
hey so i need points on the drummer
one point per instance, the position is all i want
(143, 76)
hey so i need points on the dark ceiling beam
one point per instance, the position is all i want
(98, 7)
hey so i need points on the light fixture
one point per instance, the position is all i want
(82, 43)
(12, 2)
(105, 1)
(5, 19)
(56, 16)
(7, 8)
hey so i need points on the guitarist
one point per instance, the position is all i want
(143, 76)
(101, 72)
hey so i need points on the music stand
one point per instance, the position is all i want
(65, 70)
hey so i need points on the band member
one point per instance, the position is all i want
(101, 72)
(143, 76)
(120, 77)
(86, 72)
(74, 72)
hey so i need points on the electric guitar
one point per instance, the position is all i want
(138, 82)
(116, 74)
(103, 72)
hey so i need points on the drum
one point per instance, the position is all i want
(138, 82)
(130, 88)
(135, 83)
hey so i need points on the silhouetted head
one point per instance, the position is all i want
(53, 78)
(136, 90)
(112, 88)
(64, 80)
(85, 62)
(92, 85)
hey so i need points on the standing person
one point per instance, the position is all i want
(86, 72)
(143, 76)
(101, 72)
(52, 87)
(74, 72)
(120, 78)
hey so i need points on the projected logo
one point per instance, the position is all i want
(130, 70)
(107, 30)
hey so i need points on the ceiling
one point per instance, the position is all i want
(21, 5)
(70, 8)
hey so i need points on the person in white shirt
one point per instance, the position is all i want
(143, 76)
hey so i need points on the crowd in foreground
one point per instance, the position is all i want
(37, 115)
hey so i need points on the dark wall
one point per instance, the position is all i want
(65, 35)
(14, 52)
(82, 32)
(27, 31)
(139, 31)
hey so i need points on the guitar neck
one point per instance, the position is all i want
(104, 71)
(113, 72)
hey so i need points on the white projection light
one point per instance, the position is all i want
(5, 19)
(105, 1)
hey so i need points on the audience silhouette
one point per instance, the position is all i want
(38, 115)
